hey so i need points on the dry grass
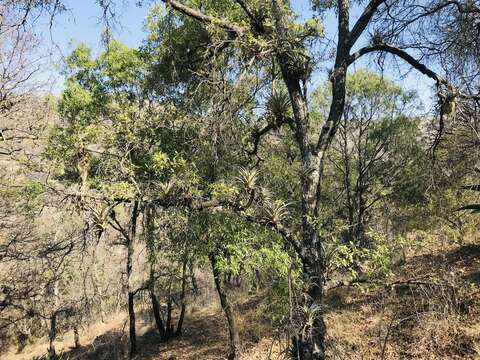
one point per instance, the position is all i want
(431, 310)
(65, 343)
(205, 336)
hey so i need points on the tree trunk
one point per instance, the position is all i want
(131, 301)
(52, 336)
(235, 346)
(52, 291)
(158, 317)
(193, 278)
(360, 236)
(168, 325)
(183, 305)
(360, 232)
(309, 342)
(76, 336)
(156, 308)
(347, 181)
(131, 318)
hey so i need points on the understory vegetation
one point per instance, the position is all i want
(246, 183)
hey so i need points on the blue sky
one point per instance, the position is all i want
(82, 23)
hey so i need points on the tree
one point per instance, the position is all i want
(377, 145)
(20, 63)
(268, 33)
(271, 28)
(118, 146)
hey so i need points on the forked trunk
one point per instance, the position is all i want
(235, 346)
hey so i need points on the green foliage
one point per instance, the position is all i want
(240, 248)
(119, 190)
(323, 5)
(121, 65)
(374, 262)
(222, 191)
(378, 160)
(109, 132)
(31, 191)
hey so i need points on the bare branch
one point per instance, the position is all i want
(401, 54)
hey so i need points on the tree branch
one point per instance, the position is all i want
(364, 20)
(118, 227)
(247, 11)
(416, 64)
(198, 15)
(279, 229)
(401, 54)
(273, 125)
(462, 8)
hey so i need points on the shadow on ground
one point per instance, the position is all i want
(203, 338)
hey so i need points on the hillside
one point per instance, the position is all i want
(430, 309)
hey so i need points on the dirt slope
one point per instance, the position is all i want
(429, 310)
